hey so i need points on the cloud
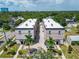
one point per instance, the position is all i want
(59, 1)
(28, 4)
(17, 4)
(36, 5)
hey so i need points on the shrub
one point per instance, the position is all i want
(12, 51)
(75, 43)
(54, 51)
(18, 22)
(5, 49)
(69, 49)
(58, 51)
(22, 52)
(6, 26)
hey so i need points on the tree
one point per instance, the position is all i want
(50, 43)
(10, 42)
(6, 26)
(69, 49)
(18, 22)
(28, 41)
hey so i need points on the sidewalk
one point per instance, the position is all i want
(63, 57)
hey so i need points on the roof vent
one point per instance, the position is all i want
(30, 21)
(51, 24)
(26, 24)
(48, 21)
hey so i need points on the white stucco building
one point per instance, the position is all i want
(54, 30)
(25, 28)
(31, 26)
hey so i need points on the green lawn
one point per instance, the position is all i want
(73, 55)
(10, 52)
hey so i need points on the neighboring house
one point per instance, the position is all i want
(25, 28)
(20, 17)
(54, 30)
(72, 38)
(14, 19)
(71, 22)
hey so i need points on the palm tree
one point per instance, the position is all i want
(28, 41)
(50, 43)
(10, 42)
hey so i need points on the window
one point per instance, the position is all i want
(51, 24)
(59, 32)
(49, 32)
(19, 32)
(48, 21)
(30, 21)
(26, 24)
(29, 32)
(36, 31)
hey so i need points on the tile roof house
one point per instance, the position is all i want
(71, 22)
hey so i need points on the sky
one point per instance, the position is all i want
(40, 5)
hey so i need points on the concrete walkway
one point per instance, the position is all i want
(1, 52)
(63, 57)
(18, 51)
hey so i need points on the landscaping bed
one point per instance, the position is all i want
(22, 53)
(72, 55)
(10, 52)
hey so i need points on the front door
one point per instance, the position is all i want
(57, 42)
